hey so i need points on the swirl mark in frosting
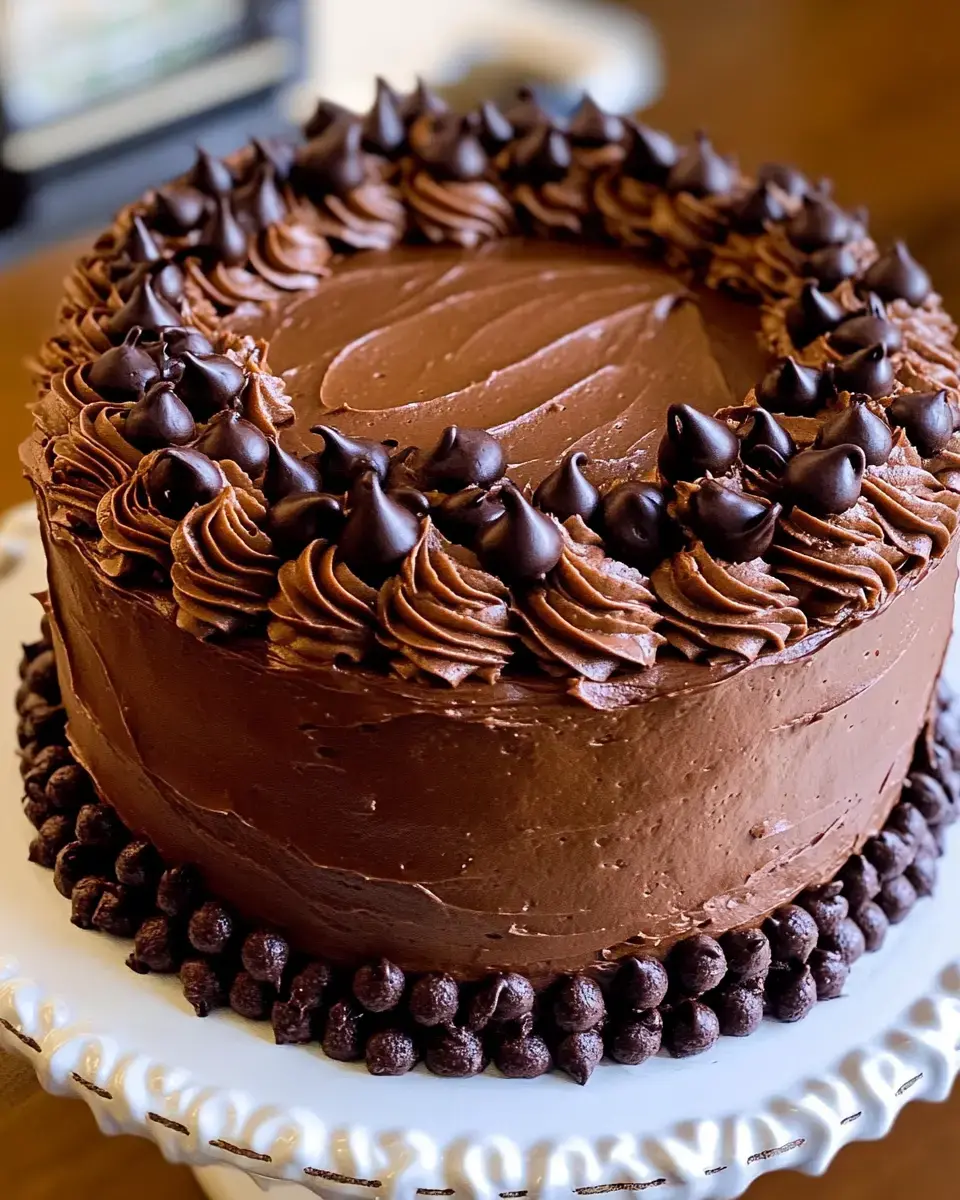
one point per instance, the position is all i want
(322, 611)
(371, 217)
(132, 529)
(593, 616)
(918, 515)
(731, 608)
(443, 616)
(89, 461)
(224, 570)
(463, 213)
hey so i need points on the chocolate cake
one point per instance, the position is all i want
(499, 573)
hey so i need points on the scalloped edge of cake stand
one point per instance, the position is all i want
(788, 1097)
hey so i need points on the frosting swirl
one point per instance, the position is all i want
(224, 569)
(737, 609)
(450, 211)
(371, 217)
(917, 514)
(838, 566)
(442, 616)
(292, 254)
(593, 616)
(89, 461)
(322, 611)
(626, 206)
(555, 206)
(60, 407)
(131, 526)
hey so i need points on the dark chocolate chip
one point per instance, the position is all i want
(343, 1032)
(463, 458)
(75, 862)
(258, 204)
(748, 954)
(138, 865)
(927, 418)
(701, 171)
(637, 1038)
(292, 1025)
(332, 162)
(818, 223)
(384, 131)
(764, 443)
(391, 1052)
(790, 388)
(739, 1008)
(378, 532)
(860, 879)
(296, 521)
(829, 970)
(123, 372)
(792, 933)
(379, 986)
(825, 481)
(523, 1057)
(462, 515)
(641, 982)
(277, 152)
(422, 101)
(523, 545)
(651, 155)
(501, 998)
(695, 444)
(696, 964)
(827, 905)
(889, 853)
(791, 992)
(637, 526)
(55, 832)
(178, 339)
(896, 275)
(866, 329)
(541, 156)
(209, 174)
(158, 945)
(922, 874)
(145, 309)
(591, 126)
(119, 912)
(229, 436)
(732, 525)
(907, 820)
(873, 924)
(831, 266)
(752, 213)
(578, 1004)
(566, 492)
(526, 112)
(848, 942)
(265, 955)
(327, 112)
(579, 1054)
(343, 458)
(179, 208)
(159, 418)
(868, 371)
(180, 478)
(787, 178)
(492, 127)
(308, 986)
(251, 998)
(179, 891)
(211, 928)
(286, 475)
(434, 999)
(87, 893)
(812, 314)
(455, 1053)
(99, 825)
(449, 146)
(897, 898)
(202, 986)
(858, 426)
(209, 383)
(690, 1027)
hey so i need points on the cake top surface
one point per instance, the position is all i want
(461, 399)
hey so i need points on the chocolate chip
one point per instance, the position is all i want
(179, 208)
(379, 986)
(454, 1053)
(739, 1008)
(701, 171)
(177, 340)
(523, 546)
(202, 986)
(264, 955)
(640, 983)
(422, 101)
(41, 766)
(500, 998)
(748, 954)
(566, 492)
(792, 934)
(37, 811)
(896, 275)
(145, 309)
(463, 458)
(541, 156)
(579, 1054)
(825, 482)
(897, 898)
(378, 533)
(637, 1038)
(292, 1025)
(650, 154)
(259, 203)
(790, 992)
(180, 478)
(159, 418)
(119, 912)
(922, 874)
(827, 906)
(138, 865)
(756, 210)
(492, 127)
(818, 223)
(391, 1052)
(99, 825)
(332, 162)
(690, 1027)
(848, 942)
(251, 998)
(829, 970)
(764, 443)
(695, 444)
(87, 894)
(907, 820)
(873, 924)
(308, 986)
(343, 1032)
(791, 388)
(296, 521)
(41, 722)
(637, 526)
(179, 891)
(858, 426)
(787, 178)
(447, 143)
(75, 862)
(158, 945)
(696, 965)
(889, 853)
(523, 1057)
(592, 126)
(462, 515)
(733, 525)
(210, 174)
(68, 787)
(209, 383)
(41, 677)
(343, 458)
(52, 836)
(123, 372)
(211, 927)
(868, 371)
(860, 880)
(927, 418)
(866, 328)
(434, 999)
(578, 1004)
(384, 131)
(812, 314)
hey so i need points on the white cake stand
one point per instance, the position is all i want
(217, 1093)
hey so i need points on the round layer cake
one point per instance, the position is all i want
(487, 545)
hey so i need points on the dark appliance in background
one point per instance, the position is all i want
(97, 99)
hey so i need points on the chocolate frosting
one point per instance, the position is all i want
(443, 617)
(132, 528)
(90, 460)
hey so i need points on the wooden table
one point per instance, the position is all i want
(50, 1148)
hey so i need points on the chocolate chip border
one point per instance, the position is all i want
(119, 885)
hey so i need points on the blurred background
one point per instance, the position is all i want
(101, 98)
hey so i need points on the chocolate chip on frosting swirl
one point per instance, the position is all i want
(593, 616)
(133, 531)
(224, 569)
(711, 607)
(89, 461)
(322, 611)
(444, 617)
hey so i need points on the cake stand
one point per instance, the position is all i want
(256, 1117)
